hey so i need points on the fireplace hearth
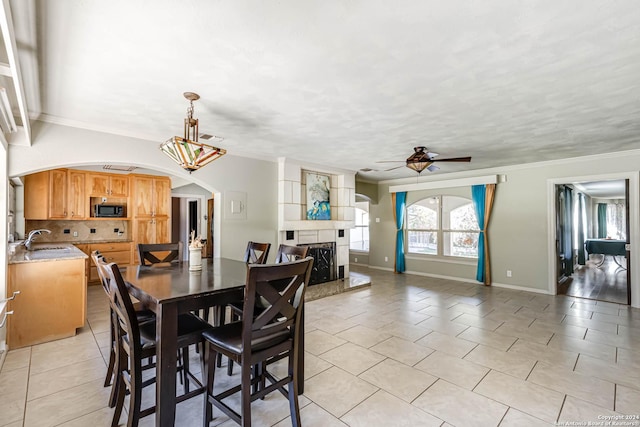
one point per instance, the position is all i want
(324, 262)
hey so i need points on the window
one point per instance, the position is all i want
(442, 225)
(359, 236)
(616, 220)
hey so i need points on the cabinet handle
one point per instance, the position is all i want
(12, 297)
(5, 318)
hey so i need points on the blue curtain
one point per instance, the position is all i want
(602, 220)
(478, 196)
(400, 205)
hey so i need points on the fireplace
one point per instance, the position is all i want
(324, 262)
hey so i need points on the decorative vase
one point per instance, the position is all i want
(195, 259)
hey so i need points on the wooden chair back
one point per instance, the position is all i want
(279, 305)
(257, 253)
(288, 253)
(156, 253)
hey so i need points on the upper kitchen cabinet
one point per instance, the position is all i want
(107, 185)
(151, 196)
(55, 194)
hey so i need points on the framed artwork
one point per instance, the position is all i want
(318, 189)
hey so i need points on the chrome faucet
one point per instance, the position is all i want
(32, 236)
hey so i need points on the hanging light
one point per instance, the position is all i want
(186, 151)
(421, 160)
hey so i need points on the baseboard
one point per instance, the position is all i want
(522, 288)
(381, 268)
(3, 352)
(440, 276)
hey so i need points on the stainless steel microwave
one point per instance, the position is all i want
(109, 211)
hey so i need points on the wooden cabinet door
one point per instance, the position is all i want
(98, 184)
(142, 197)
(58, 194)
(36, 196)
(119, 186)
(162, 197)
(163, 230)
(145, 231)
(77, 201)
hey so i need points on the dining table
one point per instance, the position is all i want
(171, 289)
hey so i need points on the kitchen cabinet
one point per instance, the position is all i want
(51, 303)
(107, 185)
(118, 252)
(55, 194)
(151, 196)
(151, 200)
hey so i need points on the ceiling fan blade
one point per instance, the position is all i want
(432, 168)
(432, 155)
(454, 159)
(397, 167)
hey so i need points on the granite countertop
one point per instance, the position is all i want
(44, 252)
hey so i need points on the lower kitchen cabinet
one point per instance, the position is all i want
(51, 304)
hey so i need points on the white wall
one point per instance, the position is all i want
(61, 146)
(519, 231)
(4, 211)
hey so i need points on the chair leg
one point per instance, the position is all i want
(118, 391)
(185, 369)
(135, 395)
(294, 406)
(117, 379)
(208, 377)
(108, 379)
(245, 391)
(218, 314)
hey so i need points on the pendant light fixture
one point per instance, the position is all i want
(187, 151)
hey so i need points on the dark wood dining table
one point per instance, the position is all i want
(170, 290)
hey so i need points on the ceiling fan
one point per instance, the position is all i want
(422, 159)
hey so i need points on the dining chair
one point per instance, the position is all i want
(259, 341)
(257, 253)
(288, 253)
(136, 342)
(142, 315)
(285, 253)
(156, 253)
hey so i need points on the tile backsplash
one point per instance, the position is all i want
(81, 231)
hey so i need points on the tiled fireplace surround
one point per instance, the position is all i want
(292, 209)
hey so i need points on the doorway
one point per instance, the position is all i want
(187, 215)
(592, 238)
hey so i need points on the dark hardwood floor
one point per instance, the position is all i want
(605, 283)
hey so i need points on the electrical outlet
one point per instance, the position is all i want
(386, 259)
(75, 234)
(92, 230)
(508, 273)
(116, 230)
(377, 219)
(355, 259)
(66, 231)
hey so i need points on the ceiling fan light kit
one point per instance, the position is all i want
(421, 159)
(186, 151)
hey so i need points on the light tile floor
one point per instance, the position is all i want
(408, 351)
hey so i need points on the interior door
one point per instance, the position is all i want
(628, 241)
(209, 250)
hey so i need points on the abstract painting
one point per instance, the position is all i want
(318, 188)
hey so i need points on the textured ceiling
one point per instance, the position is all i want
(347, 83)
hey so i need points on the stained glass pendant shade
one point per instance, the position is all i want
(187, 151)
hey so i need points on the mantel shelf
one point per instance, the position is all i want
(316, 225)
